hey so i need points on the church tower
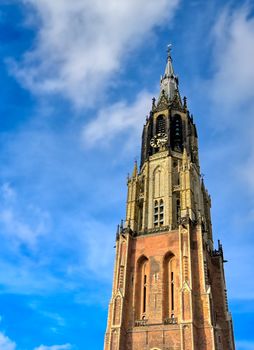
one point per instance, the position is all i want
(169, 290)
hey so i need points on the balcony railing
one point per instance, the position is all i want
(141, 323)
(176, 188)
(170, 320)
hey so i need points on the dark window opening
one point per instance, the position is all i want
(144, 293)
(176, 133)
(178, 210)
(144, 300)
(172, 291)
(160, 124)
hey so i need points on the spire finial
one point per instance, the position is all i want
(169, 50)
(135, 170)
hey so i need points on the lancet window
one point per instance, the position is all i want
(142, 289)
(169, 295)
(177, 133)
(160, 124)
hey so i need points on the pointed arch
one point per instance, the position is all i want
(176, 133)
(160, 124)
(158, 182)
(142, 287)
(169, 285)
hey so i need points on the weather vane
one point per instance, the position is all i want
(169, 49)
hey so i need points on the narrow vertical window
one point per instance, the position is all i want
(140, 216)
(172, 292)
(176, 133)
(161, 212)
(144, 290)
(169, 289)
(144, 294)
(178, 210)
(160, 124)
(156, 214)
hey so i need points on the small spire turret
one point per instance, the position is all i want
(135, 170)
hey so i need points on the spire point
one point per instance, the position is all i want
(169, 81)
(135, 170)
(169, 48)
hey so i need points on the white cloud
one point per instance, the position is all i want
(12, 217)
(232, 87)
(6, 343)
(54, 347)
(231, 97)
(81, 44)
(118, 119)
(233, 83)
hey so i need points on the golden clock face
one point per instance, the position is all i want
(159, 140)
(154, 142)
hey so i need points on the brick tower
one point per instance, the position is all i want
(169, 290)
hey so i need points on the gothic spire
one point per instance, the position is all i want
(169, 81)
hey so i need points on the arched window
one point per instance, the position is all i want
(158, 217)
(177, 133)
(160, 124)
(141, 299)
(169, 293)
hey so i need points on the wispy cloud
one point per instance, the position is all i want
(6, 343)
(231, 89)
(44, 206)
(80, 44)
(121, 120)
(54, 347)
(12, 222)
(230, 95)
(233, 83)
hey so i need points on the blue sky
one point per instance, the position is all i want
(77, 82)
